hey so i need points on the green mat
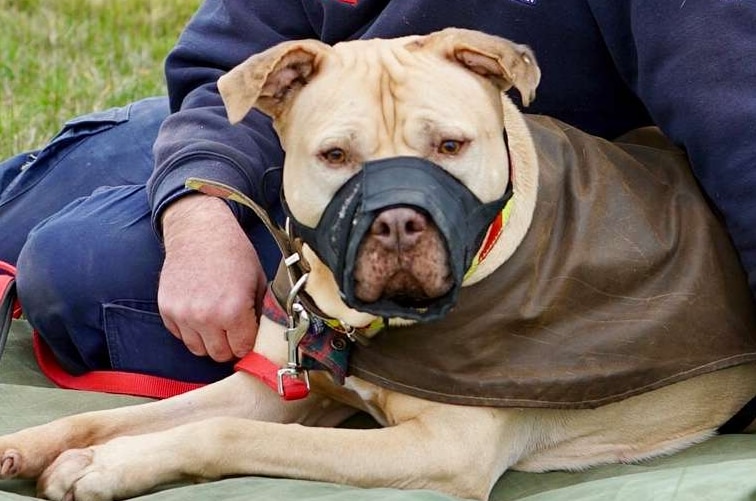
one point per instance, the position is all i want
(721, 469)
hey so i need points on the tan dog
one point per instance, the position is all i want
(437, 97)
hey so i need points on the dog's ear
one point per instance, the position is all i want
(505, 63)
(268, 80)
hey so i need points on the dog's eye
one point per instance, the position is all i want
(334, 156)
(449, 147)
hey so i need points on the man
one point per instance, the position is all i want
(108, 278)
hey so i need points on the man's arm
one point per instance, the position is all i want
(212, 282)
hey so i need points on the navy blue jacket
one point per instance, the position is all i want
(688, 66)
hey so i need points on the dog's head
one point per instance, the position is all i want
(396, 159)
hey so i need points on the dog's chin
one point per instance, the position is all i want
(412, 280)
(405, 288)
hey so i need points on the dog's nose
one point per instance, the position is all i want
(399, 228)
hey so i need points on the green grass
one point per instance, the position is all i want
(62, 58)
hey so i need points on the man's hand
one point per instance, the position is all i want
(212, 283)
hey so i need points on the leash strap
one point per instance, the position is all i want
(119, 382)
(288, 386)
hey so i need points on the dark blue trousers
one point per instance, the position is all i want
(75, 219)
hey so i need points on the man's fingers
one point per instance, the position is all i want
(193, 341)
(241, 337)
(217, 346)
(172, 327)
(214, 341)
(190, 337)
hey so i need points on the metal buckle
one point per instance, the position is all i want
(294, 374)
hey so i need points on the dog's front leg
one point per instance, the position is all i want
(28, 452)
(461, 451)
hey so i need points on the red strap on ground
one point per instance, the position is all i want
(266, 371)
(123, 383)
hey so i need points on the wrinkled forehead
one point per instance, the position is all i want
(391, 78)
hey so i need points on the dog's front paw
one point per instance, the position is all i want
(121, 468)
(76, 476)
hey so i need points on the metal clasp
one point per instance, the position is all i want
(298, 324)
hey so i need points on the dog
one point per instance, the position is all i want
(355, 119)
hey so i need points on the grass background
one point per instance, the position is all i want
(62, 58)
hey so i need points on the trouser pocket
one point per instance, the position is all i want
(139, 342)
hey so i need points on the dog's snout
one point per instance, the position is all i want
(399, 228)
(402, 258)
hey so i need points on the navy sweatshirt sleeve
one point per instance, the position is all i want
(693, 64)
(197, 139)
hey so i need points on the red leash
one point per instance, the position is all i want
(124, 383)
(129, 383)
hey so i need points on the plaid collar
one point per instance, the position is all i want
(323, 347)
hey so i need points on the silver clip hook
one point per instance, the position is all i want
(294, 333)
(291, 299)
(298, 324)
